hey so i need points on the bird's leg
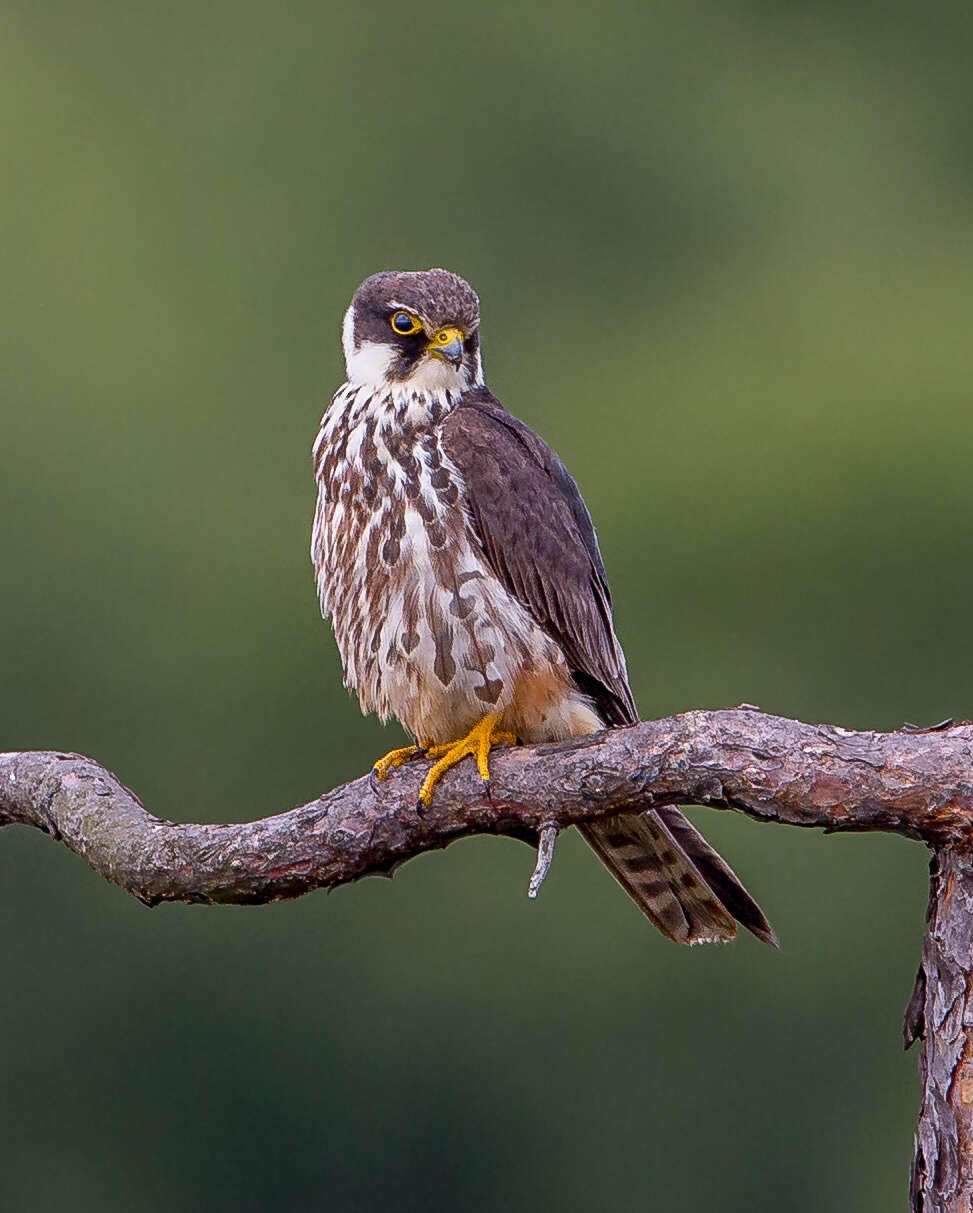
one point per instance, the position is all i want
(478, 742)
(395, 758)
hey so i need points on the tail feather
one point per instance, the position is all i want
(651, 866)
(720, 877)
(675, 877)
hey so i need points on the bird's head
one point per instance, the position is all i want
(415, 329)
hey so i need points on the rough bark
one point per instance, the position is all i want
(941, 1012)
(915, 782)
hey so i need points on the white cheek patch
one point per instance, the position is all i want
(369, 364)
(348, 333)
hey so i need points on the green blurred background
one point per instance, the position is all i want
(725, 257)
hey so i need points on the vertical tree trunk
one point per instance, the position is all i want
(941, 1014)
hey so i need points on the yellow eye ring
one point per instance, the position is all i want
(404, 323)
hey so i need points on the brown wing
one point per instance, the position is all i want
(538, 538)
(537, 535)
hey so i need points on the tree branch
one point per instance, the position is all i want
(917, 783)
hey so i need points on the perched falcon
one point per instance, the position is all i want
(459, 565)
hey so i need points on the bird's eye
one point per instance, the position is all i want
(405, 323)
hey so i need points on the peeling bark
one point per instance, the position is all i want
(941, 1014)
(914, 782)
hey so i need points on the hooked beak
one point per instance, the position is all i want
(447, 344)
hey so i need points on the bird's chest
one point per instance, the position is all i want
(425, 630)
(396, 536)
(389, 507)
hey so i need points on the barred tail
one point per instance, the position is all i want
(675, 877)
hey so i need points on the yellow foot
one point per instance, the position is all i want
(477, 743)
(395, 758)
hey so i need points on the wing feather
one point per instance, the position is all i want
(537, 535)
